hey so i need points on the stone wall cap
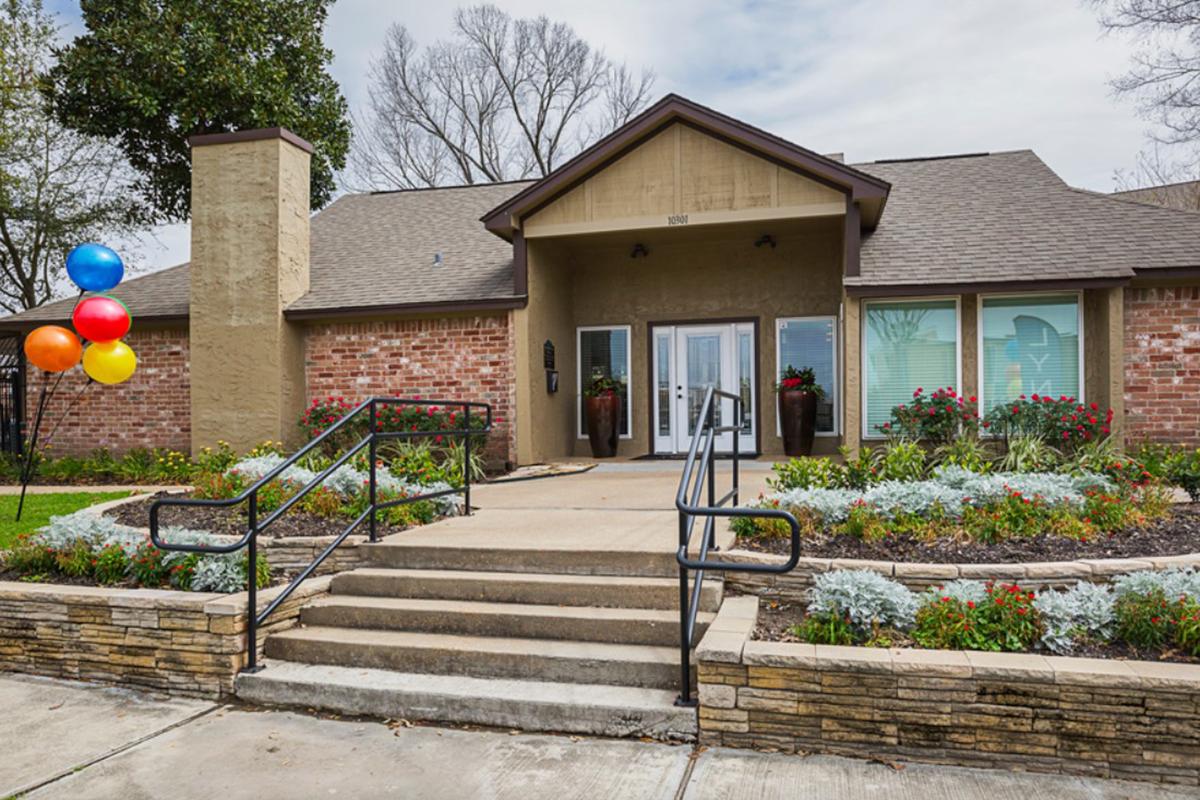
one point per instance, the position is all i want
(1094, 672)
(252, 135)
(228, 605)
(106, 596)
(797, 655)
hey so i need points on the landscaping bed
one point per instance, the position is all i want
(1176, 533)
(232, 521)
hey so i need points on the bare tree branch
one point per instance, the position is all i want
(502, 99)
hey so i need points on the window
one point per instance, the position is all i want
(604, 352)
(907, 345)
(1029, 345)
(811, 342)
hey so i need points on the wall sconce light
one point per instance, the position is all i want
(639, 250)
(766, 238)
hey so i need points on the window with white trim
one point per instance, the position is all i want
(906, 345)
(1029, 345)
(603, 352)
(811, 342)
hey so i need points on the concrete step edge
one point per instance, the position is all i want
(592, 709)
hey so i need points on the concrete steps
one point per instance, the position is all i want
(399, 554)
(528, 705)
(524, 621)
(604, 591)
(550, 660)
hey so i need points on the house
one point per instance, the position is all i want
(686, 249)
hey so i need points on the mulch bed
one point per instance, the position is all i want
(775, 619)
(232, 521)
(1179, 534)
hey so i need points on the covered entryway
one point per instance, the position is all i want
(688, 359)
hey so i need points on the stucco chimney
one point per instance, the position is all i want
(250, 212)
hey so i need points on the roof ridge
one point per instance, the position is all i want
(1131, 201)
(949, 156)
(440, 188)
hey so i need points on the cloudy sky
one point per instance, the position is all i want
(872, 79)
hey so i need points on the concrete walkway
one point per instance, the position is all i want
(72, 740)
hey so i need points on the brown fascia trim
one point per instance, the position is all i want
(254, 135)
(26, 325)
(908, 289)
(404, 309)
(1167, 273)
(673, 108)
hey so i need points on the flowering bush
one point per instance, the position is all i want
(1063, 420)
(938, 417)
(1004, 619)
(853, 603)
(324, 413)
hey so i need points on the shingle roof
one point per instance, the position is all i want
(158, 295)
(367, 251)
(378, 249)
(1006, 217)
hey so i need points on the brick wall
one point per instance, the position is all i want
(1162, 364)
(151, 409)
(455, 358)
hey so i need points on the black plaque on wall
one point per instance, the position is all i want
(548, 354)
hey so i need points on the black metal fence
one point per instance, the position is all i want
(12, 392)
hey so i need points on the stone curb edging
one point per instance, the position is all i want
(917, 575)
(1135, 720)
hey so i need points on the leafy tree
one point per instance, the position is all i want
(58, 188)
(152, 73)
(504, 98)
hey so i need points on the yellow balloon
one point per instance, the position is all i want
(109, 362)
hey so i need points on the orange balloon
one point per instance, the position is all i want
(53, 348)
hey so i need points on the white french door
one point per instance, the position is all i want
(687, 360)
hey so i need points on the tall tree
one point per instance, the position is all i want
(503, 98)
(58, 188)
(151, 73)
(1164, 82)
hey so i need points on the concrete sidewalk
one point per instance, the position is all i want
(73, 740)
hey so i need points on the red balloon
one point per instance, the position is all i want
(101, 319)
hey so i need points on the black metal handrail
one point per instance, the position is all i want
(256, 526)
(687, 500)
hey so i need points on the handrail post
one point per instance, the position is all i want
(685, 645)
(252, 590)
(467, 461)
(372, 483)
(712, 464)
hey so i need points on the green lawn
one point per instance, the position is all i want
(39, 508)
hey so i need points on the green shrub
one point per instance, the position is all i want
(902, 460)
(219, 485)
(1064, 421)
(28, 555)
(1187, 626)
(807, 472)
(826, 629)
(965, 452)
(110, 565)
(262, 572)
(861, 469)
(1183, 470)
(136, 466)
(1029, 453)
(215, 460)
(1005, 619)
(864, 522)
(147, 567)
(75, 560)
(1143, 619)
(182, 571)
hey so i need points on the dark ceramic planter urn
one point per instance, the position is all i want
(603, 422)
(798, 416)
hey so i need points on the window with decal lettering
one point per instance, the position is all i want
(1029, 345)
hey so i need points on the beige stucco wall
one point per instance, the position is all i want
(249, 259)
(691, 276)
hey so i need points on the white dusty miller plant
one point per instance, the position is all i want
(863, 597)
(1083, 611)
(1174, 583)
(950, 489)
(346, 480)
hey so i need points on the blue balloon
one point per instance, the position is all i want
(94, 267)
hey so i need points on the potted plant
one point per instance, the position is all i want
(798, 392)
(602, 405)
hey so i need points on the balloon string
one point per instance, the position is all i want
(27, 472)
(67, 410)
